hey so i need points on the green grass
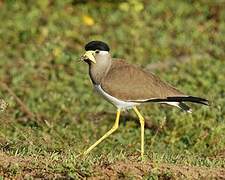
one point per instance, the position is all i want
(59, 115)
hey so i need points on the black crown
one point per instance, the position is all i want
(96, 45)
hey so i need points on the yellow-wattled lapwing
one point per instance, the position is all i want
(127, 86)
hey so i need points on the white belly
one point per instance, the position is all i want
(116, 102)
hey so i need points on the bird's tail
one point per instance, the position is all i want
(179, 101)
(188, 99)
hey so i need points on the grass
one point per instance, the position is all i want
(53, 113)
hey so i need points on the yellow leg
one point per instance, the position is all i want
(142, 122)
(115, 126)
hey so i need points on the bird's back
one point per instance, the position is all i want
(128, 82)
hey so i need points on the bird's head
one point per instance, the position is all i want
(95, 50)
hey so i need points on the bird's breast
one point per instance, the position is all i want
(113, 100)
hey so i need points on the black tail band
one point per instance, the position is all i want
(181, 99)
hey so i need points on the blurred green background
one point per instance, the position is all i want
(53, 114)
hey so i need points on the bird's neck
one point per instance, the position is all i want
(99, 70)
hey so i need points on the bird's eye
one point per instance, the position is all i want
(97, 51)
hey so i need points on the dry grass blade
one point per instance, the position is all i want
(22, 105)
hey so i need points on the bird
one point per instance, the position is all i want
(127, 86)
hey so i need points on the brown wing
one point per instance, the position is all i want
(127, 82)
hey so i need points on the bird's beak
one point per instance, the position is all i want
(89, 55)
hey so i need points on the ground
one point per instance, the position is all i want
(53, 114)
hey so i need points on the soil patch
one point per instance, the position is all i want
(138, 170)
